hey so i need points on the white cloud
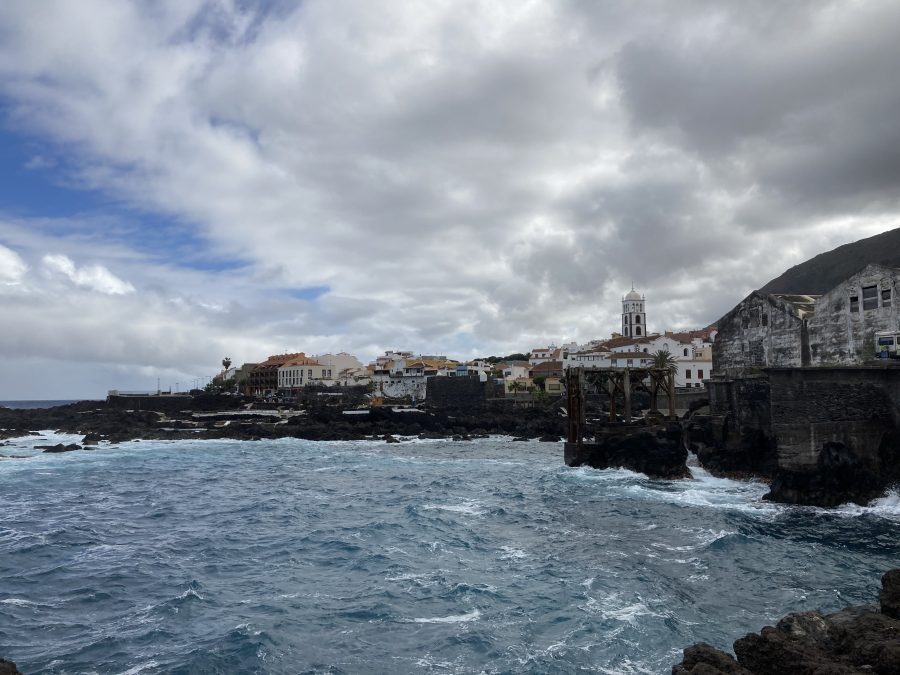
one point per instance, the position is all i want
(94, 277)
(477, 176)
(12, 267)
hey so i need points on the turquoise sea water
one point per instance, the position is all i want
(424, 557)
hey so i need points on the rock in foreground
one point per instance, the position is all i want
(8, 668)
(853, 640)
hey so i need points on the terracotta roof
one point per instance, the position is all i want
(304, 361)
(613, 343)
(547, 366)
(278, 360)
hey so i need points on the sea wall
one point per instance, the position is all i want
(825, 436)
(836, 430)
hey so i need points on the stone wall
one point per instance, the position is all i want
(455, 392)
(171, 404)
(760, 332)
(812, 407)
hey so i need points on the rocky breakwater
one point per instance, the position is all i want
(655, 450)
(853, 641)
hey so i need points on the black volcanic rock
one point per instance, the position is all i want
(657, 451)
(59, 447)
(890, 594)
(852, 641)
(839, 476)
(8, 668)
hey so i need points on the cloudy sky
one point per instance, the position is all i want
(188, 179)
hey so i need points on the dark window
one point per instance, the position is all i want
(687, 375)
(626, 330)
(685, 352)
(854, 303)
(870, 297)
(699, 374)
(637, 330)
(885, 297)
(637, 319)
(765, 319)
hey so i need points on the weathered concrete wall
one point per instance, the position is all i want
(855, 407)
(839, 336)
(760, 332)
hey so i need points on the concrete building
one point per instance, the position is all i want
(842, 329)
(263, 379)
(790, 331)
(764, 331)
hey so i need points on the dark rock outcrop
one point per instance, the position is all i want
(8, 668)
(97, 420)
(852, 641)
(657, 451)
(59, 447)
(890, 594)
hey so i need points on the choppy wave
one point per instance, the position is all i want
(432, 556)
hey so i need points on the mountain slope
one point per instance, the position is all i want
(822, 273)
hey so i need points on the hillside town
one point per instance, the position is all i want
(403, 375)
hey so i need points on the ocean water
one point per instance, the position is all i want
(423, 557)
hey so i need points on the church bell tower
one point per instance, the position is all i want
(634, 319)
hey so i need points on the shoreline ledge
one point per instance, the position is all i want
(855, 640)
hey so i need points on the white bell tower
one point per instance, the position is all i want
(634, 319)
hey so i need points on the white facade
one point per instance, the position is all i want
(302, 373)
(544, 354)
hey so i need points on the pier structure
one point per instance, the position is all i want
(615, 382)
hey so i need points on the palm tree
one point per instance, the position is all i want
(664, 360)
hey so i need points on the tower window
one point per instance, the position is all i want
(626, 330)
(637, 319)
(685, 352)
(637, 330)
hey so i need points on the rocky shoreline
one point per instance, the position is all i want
(234, 418)
(852, 641)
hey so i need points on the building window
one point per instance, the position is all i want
(699, 374)
(687, 374)
(637, 331)
(854, 303)
(685, 352)
(870, 297)
(885, 297)
(765, 319)
(637, 319)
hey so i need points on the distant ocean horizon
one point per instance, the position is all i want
(32, 404)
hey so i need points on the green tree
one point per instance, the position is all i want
(664, 360)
